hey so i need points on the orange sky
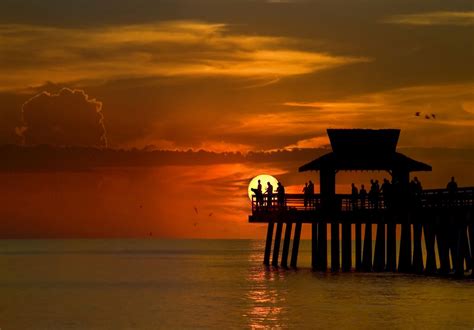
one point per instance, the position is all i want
(220, 76)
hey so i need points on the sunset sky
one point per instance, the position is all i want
(220, 76)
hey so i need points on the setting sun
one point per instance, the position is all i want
(264, 178)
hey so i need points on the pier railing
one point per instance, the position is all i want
(429, 198)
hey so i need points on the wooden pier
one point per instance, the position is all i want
(438, 222)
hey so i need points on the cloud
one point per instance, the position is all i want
(457, 18)
(69, 117)
(32, 54)
(451, 104)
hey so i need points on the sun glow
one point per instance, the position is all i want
(264, 178)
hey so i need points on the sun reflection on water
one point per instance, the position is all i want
(264, 298)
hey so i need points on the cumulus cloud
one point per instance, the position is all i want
(69, 117)
(31, 54)
(459, 18)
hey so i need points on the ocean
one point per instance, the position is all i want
(222, 284)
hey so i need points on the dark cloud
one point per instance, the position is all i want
(69, 117)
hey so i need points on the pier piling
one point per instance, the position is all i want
(391, 246)
(346, 247)
(404, 262)
(418, 266)
(296, 244)
(358, 246)
(314, 245)
(367, 254)
(322, 246)
(276, 247)
(286, 245)
(379, 258)
(430, 248)
(335, 253)
(268, 244)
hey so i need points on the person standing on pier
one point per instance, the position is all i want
(305, 195)
(281, 195)
(374, 194)
(362, 196)
(418, 191)
(354, 196)
(311, 193)
(452, 190)
(377, 193)
(259, 194)
(387, 193)
(269, 193)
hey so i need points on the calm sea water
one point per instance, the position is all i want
(149, 284)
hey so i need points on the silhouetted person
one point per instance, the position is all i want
(377, 193)
(269, 193)
(418, 191)
(281, 194)
(387, 193)
(305, 195)
(362, 196)
(452, 190)
(354, 196)
(374, 194)
(259, 194)
(310, 193)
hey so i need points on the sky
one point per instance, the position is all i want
(229, 78)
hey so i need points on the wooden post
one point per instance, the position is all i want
(379, 258)
(335, 253)
(417, 252)
(367, 257)
(404, 261)
(391, 245)
(452, 240)
(467, 252)
(346, 247)
(276, 247)
(296, 244)
(443, 246)
(314, 245)
(471, 244)
(286, 245)
(268, 244)
(459, 258)
(327, 184)
(430, 248)
(322, 246)
(358, 246)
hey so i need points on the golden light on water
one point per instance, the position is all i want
(264, 178)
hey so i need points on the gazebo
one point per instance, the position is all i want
(363, 150)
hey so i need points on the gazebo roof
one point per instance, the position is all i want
(364, 149)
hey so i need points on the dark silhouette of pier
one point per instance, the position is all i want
(438, 221)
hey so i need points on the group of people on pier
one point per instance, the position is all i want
(266, 198)
(393, 194)
(387, 195)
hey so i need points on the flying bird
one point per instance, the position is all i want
(196, 210)
(433, 116)
(210, 214)
(417, 114)
(427, 117)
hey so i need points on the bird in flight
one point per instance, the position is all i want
(196, 210)
(417, 114)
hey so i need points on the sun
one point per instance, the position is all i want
(264, 178)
